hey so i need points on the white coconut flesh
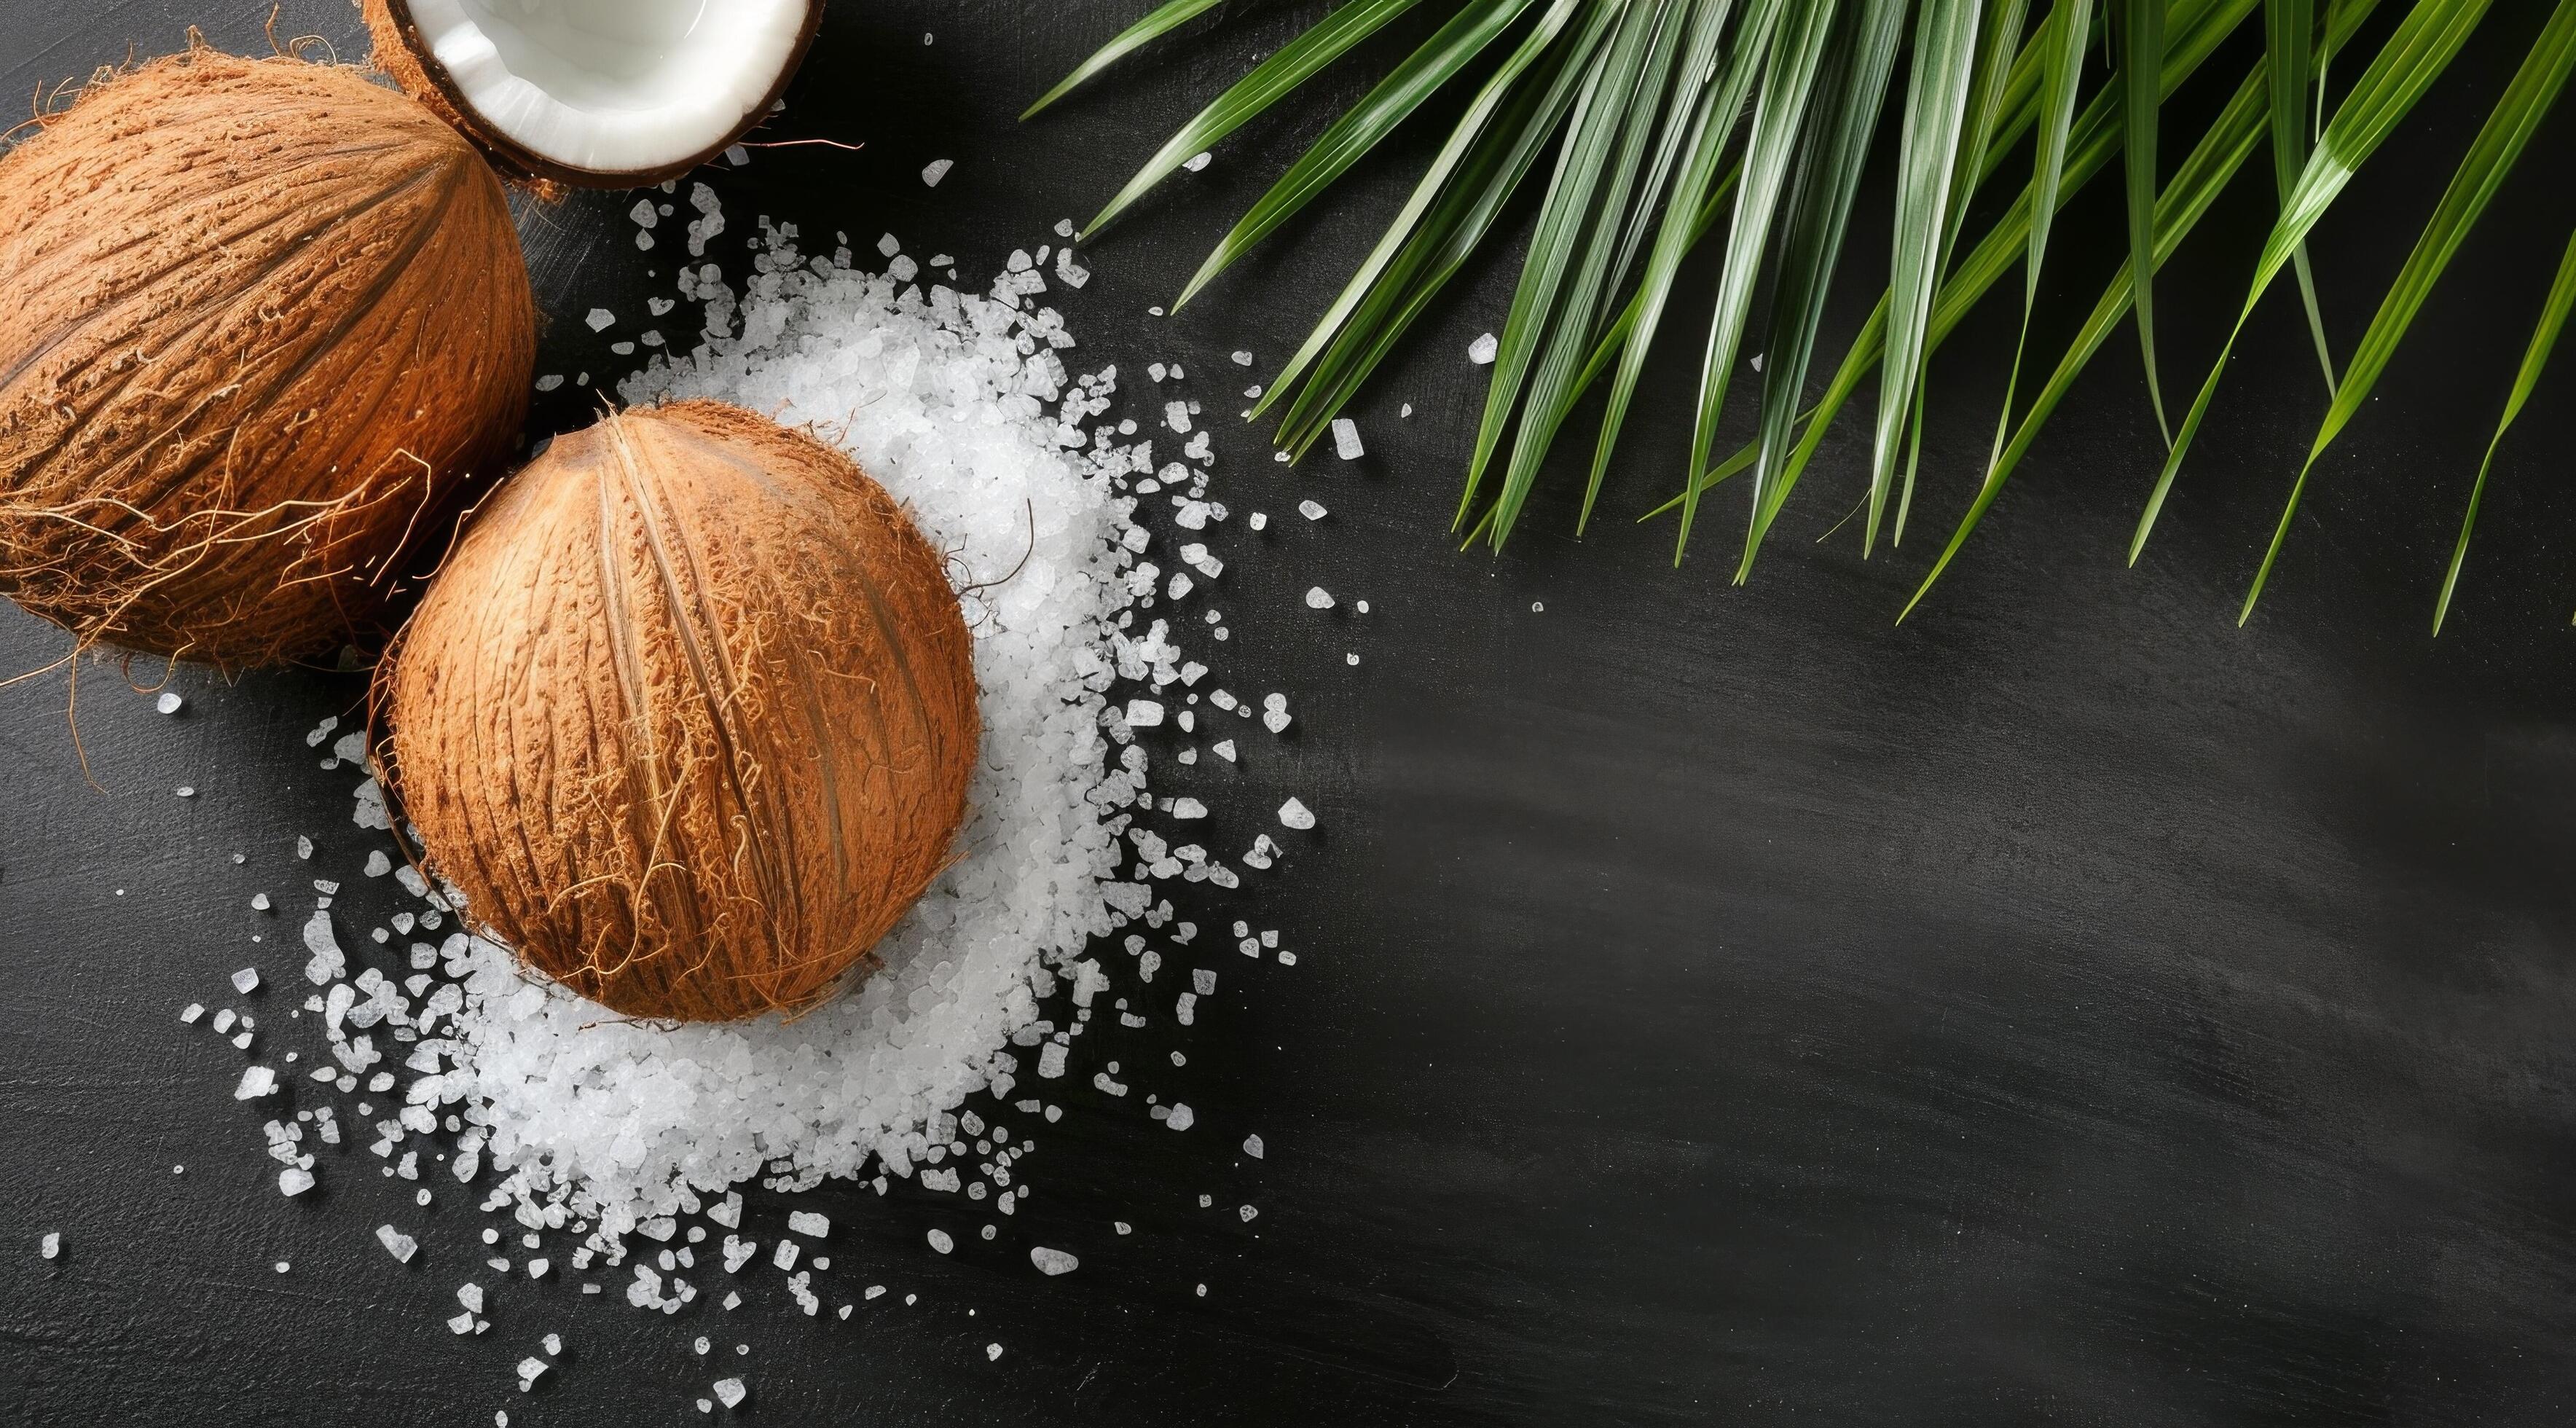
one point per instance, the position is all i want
(612, 86)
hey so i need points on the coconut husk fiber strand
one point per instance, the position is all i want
(688, 716)
(262, 316)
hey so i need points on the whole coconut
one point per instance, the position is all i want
(262, 314)
(688, 715)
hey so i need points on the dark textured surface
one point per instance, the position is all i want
(1716, 1005)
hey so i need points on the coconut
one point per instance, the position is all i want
(595, 93)
(262, 315)
(687, 716)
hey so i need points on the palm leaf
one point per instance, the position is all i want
(1154, 26)
(1819, 217)
(1449, 231)
(2211, 165)
(2142, 43)
(1592, 133)
(2404, 68)
(1496, 94)
(2482, 171)
(2544, 337)
(1795, 53)
(1693, 210)
(2193, 189)
(2289, 32)
(1936, 111)
(1440, 60)
(1609, 245)
(1297, 61)
(2096, 140)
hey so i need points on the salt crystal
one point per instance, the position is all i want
(1346, 439)
(169, 702)
(51, 1245)
(1311, 510)
(1481, 351)
(992, 1352)
(554, 1345)
(1197, 161)
(809, 1224)
(599, 320)
(193, 1011)
(1294, 814)
(378, 864)
(186, 792)
(294, 1180)
(1224, 749)
(935, 170)
(536, 1267)
(1408, 410)
(401, 1246)
(1247, 1212)
(1252, 1146)
(1188, 808)
(1318, 598)
(940, 1241)
(256, 1081)
(1181, 1118)
(730, 1392)
(785, 1258)
(550, 381)
(245, 980)
(259, 902)
(1259, 521)
(1053, 1261)
(531, 1369)
(1144, 713)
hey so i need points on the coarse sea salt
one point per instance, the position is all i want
(961, 407)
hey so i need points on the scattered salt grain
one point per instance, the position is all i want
(1182, 1118)
(730, 1392)
(940, 1241)
(1259, 521)
(1197, 161)
(809, 1224)
(1318, 598)
(246, 980)
(401, 1246)
(51, 1245)
(193, 1011)
(1481, 351)
(1346, 439)
(1311, 510)
(186, 792)
(599, 319)
(169, 702)
(1224, 749)
(256, 1081)
(935, 170)
(1252, 1146)
(1053, 1261)
(531, 1369)
(294, 1180)
(1294, 814)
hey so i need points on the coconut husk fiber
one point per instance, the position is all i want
(688, 716)
(262, 316)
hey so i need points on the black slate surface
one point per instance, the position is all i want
(1716, 1005)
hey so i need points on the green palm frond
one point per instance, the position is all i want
(1667, 124)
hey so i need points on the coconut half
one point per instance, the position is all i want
(596, 93)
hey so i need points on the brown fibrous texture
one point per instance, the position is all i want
(688, 715)
(262, 316)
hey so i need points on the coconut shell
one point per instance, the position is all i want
(263, 314)
(399, 51)
(688, 715)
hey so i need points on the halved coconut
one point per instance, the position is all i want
(595, 93)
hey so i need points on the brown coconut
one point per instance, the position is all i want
(688, 715)
(262, 315)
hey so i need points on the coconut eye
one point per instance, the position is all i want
(596, 93)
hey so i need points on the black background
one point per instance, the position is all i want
(1717, 1004)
